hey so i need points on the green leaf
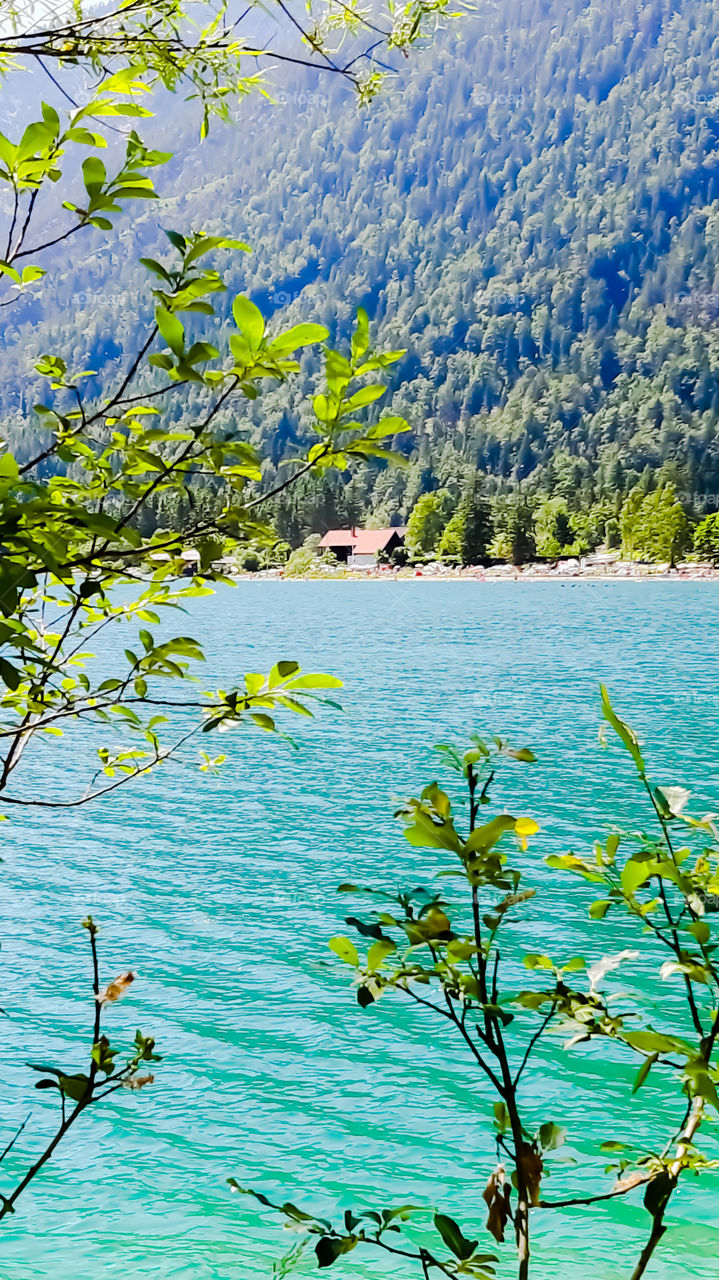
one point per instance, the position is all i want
(281, 672)
(654, 1042)
(8, 152)
(367, 395)
(300, 335)
(426, 834)
(171, 329)
(85, 138)
(569, 862)
(484, 838)
(9, 674)
(379, 951)
(392, 426)
(12, 272)
(459, 949)
(249, 321)
(37, 137)
(214, 242)
(263, 721)
(701, 931)
(298, 1215)
(367, 930)
(177, 241)
(599, 909)
(200, 351)
(315, 680)
(345, 949)
(643, 1072)
(94, 174)
(534, 960)
(156, 268)
(700, 1082)
(360, 337)
(323, 407)
(51, 118)
(496, 1011)
(551, 1136)
(501, 1117)
(329, 1248)
(9, 473)
(452, 1236)
(634, 875)
(31, 274)
(74, 1086)
(623, 731)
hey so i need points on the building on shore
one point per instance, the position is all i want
(361, 548)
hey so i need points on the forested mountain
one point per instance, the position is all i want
(532, 210)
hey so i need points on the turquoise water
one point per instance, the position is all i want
(221, 893)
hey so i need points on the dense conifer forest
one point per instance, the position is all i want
(532, 210)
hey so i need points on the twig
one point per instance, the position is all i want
(14, 1139)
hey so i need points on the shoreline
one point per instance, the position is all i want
(494, 574)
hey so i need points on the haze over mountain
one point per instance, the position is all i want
(532, 209)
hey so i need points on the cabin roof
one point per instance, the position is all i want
(363, 542)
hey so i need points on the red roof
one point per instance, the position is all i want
(338, 538)
(363, 542)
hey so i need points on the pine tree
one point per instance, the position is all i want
(514, 532)
(629, 522)
(521, 533)
(467, 537)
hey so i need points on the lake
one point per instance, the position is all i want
(220, 892)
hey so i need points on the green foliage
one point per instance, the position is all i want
(467, 535)
(630, 522)
(73, 537)
(77, 1091)
(81, 544)
(100, 518)
(514, 537)
(654, 525)
(308, 560)
(554, 533)
(456, 954)
(251, 562)
(706, 538)
(451, 542)
(302, 563)
(427, 522)
(613, 534)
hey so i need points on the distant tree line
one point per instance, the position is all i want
(650, 524)
(463, 524)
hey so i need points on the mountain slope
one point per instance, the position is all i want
(533, 211)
